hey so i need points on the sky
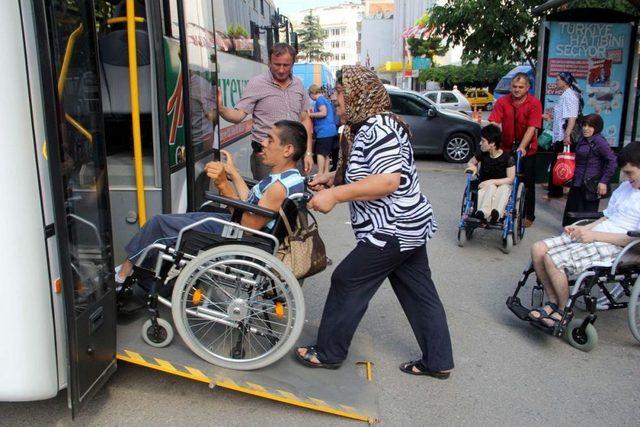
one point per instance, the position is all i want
(289, 7)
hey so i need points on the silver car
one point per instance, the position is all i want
(449, 100)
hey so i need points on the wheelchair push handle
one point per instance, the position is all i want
(633, 233)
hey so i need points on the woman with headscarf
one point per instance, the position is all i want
(565, 114)
(392, 221)
(595, 166)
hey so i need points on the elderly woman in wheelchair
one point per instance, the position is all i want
(234, 303)
(590, 254)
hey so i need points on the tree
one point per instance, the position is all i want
(467, 75)
(500, 30)
(429, 47)
(311, 39)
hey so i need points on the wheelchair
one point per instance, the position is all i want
(511, 225)
(604, 286)
(233, 303)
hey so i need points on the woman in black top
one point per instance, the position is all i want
(497, 173)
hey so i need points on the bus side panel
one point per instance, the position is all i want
(27, 348)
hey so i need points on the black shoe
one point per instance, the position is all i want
(494, 217)
(479, 215)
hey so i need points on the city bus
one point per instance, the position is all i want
(108, 116)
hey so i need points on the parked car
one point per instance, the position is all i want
(449, 99)
(436, 130)
(479, 98)
(504, 85)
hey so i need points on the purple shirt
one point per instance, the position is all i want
(268, 103)
(594, 157)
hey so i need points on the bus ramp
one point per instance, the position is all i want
(347, 392)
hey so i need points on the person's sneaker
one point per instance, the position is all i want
(528, 222)
(494, 216)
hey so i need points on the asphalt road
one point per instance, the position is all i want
(506, 371)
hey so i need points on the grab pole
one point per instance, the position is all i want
(135, 112)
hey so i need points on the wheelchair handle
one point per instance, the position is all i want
(633, 233)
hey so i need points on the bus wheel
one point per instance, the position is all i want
(157, 336)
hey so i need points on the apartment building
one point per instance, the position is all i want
(342, 26)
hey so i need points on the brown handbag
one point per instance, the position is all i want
(303, 251)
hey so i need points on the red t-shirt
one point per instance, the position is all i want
(528, 113)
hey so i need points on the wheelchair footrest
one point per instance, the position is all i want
(514, 304)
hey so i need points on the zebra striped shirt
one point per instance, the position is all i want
(381, 145)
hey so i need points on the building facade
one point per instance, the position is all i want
(342, 27)
(377, 33)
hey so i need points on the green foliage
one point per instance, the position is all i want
(429, 47)
(311, 39)
(490, 31)
(501, 30)
(236, 31)
(467, 75)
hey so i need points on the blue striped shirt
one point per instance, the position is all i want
(290, 179)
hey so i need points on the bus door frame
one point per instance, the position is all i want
(85, 360)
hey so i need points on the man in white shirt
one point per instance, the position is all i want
(579, 247)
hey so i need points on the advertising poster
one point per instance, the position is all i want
(597, 54)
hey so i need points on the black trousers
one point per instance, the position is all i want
(555, 190)
(528, 168)
(577, 203)
(356, 280)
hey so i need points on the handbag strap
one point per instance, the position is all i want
(285, 220)
(287, 224)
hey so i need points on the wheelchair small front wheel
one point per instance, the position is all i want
(462, 237)
(582, 340)
(157, 336)
(507, 244)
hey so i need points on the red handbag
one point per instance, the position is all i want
(565, 167)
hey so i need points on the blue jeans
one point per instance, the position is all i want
(165, 228)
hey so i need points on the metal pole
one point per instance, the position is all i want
(135, 112)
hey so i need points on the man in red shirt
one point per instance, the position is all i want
(520, 115)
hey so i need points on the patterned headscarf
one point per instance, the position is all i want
(364, 96)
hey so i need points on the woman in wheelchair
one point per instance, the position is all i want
(582, 246)
(281, 150)
(497, 173)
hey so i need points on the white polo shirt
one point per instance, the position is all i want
(623, 212)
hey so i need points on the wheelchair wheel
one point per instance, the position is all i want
(518, 223)
(584, 341)
(238, 307)
(160, 336)
(602, 302)
(633, 310)
(462, 237)
(507, 244)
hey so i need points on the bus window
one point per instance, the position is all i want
(81, 150)
(202, 75)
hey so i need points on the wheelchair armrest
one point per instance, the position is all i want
(633, 233)
(241, 205)
(585, 215)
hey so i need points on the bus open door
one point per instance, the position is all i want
(76, 155)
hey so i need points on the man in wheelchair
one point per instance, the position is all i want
(580, 247)
(281, 150)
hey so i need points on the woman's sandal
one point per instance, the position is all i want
(309, 355)
(407, 368)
